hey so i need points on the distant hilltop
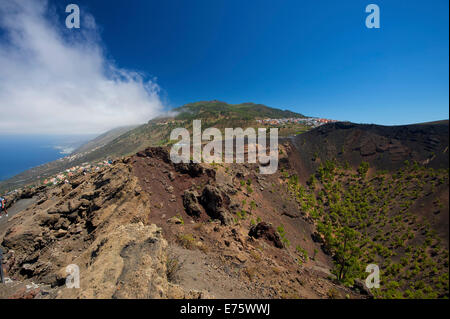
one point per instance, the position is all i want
(244, 111)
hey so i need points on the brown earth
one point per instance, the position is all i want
(126, 226)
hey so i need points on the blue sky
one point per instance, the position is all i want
(313, 57)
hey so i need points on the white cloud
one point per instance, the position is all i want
(55, 80)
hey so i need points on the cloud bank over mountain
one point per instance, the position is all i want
(57, 80)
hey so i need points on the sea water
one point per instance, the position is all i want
(21, 152)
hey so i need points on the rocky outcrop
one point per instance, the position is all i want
(211, 199)
(51, 236)
(192, 169)
(191, 204)
(155, 152)
(213, 202)
(134, 257)
(361, 287)
(266, 231)
(100, 226)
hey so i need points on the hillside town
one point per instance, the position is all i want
(84, 168)
(309, 121)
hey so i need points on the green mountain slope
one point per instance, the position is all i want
(222, 110)
(103, 139)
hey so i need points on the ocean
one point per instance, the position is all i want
(21, 152)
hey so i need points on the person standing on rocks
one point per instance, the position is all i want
(3, 207)
(2, 279)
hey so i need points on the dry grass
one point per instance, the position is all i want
(250, 272)
(173, 267)
(333, 293)
(186, 241)
(202, 247)
(198, 227)
(277, 270)
(255, 255)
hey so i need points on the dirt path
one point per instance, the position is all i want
(9, 287)
(17, 207)
(205, 273)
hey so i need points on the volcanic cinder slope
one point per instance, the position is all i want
(384, 147)
(145, 227)
(131, 226)
(385, 189)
